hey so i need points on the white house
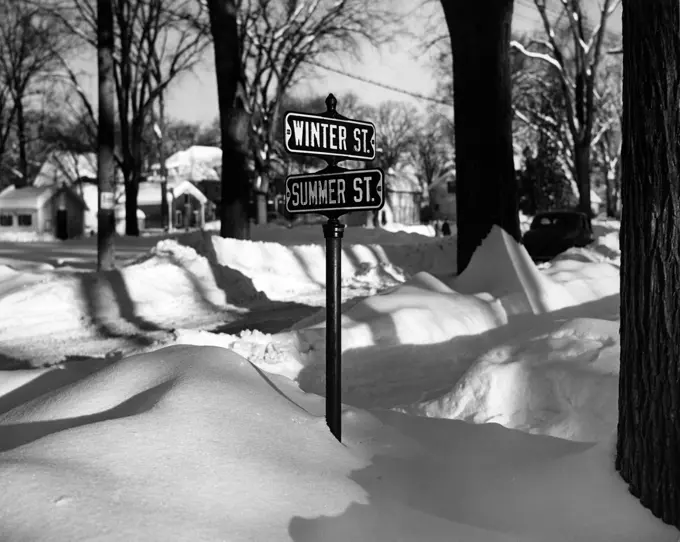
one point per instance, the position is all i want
(63, 167)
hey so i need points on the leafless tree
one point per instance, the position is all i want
(164, 37)
(433, 150)
(30, 42)
(575, 61)
(281, 40)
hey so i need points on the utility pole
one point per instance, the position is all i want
(106, 218)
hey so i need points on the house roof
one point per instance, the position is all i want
(32, 197)
(209, 156)
(150, 193)
(197, 163)
(28, 197)
(403, 179)
(66, 167)
(188, 188)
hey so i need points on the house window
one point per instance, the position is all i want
(25, 220)
(451, 187)
(179, 219)
(6, 220)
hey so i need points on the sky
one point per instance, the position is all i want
(403, 65)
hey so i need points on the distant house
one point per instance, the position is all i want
(187, 205)
(404, 195)
(56, 210)
(63, 167)
(198, 163)
(442, 192)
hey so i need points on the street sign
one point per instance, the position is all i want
(333, 192)
(342, 191)
(318, 135)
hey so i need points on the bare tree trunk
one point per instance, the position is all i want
(21, 133)
(609, 196)
(648, 440)
(133, 179)
(261, 210)
(106, 220)
(582, 168)
(233, 122)
(131, 192)
(486, 188)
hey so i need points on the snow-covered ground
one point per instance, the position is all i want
(477, 408)
(196, 280)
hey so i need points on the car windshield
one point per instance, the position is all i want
(558, 221)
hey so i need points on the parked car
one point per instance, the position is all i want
(553, 232)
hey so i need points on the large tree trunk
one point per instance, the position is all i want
(582, 169)
(134, 178)
(486, 187)
(261, 208)
(233, 122)
(648, 442)
(131, 191)
(106, 220)
(21, 136)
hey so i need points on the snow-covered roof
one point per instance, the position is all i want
(66, 167)
(403, 179)
(189, 188)
(197, 163)
(210, 156)
(28, 197)
(32, 197)
(150, 193)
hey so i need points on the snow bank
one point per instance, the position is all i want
(305, 234)
(298, 272)
(194, 443)
(563, 382)
(377, 332)
(425, 348)
(26, 237)
(504, 269)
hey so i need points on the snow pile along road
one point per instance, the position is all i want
(202, 282)
(298, 272)
(532, 350)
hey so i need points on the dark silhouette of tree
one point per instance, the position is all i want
(30, 44)
(577, 71)
(486, 188)
(648, 441)
(236, 188)
(106, 164)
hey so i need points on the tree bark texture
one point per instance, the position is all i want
(106, 220)
(21, 132)
(486, 187)
(582, 167)
(236, 186)
(648, 440)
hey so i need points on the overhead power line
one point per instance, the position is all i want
(379, 84)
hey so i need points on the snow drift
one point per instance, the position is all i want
(194, 443)
(422, 347)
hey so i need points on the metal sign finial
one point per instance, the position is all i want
(331, 104)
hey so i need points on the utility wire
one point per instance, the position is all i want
(379, 84)
(417, 95)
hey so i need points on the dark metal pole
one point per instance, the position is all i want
(333, 231)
